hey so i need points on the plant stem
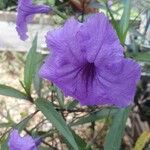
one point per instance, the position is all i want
(59, 13)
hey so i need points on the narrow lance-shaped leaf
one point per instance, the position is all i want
(45, 148)
(143, 57)
(9, 91)
(56, 119)
(23, 124)
(30, 65)
(81, 142)
(142, 140)
(5, 125)
(71, 104)
(125, 20)
(116, 131)
(37, 81)
(4, 144)
(101, 114)
(113, 21)
(60, 97)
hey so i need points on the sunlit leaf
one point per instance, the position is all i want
(142, 140)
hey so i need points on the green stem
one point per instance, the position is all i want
(59, 13)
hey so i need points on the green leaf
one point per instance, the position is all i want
(101, 114)
(81, 142)
(116, 131)
(37, 81)
(44, 148)
(9, 91)
(22, 125)
(125, 20)
(30, 65)
(142, 140)
(50, 2)
(3, 144)
(139, 56)
(71, 104)
(60, 97)
(59, 13)
(113, 21)
(56, 119)
(5, 125)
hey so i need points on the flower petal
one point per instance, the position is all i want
(120, 81)
(20, 143)
(25, 12)
(98, 32)
(65, 43)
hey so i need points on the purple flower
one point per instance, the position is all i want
(87, 63)
(25, 12)
(22, 143)
(110, 2)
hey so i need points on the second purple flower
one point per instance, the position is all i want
(25, 11)
(16, 142)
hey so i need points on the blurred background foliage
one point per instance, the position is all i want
(4, 4)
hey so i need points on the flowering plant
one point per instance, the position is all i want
(86, 61)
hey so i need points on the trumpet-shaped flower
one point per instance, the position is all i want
(25, 13)
(16, 142)
(87, 62)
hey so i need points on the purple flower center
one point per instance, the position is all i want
(88, 73)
